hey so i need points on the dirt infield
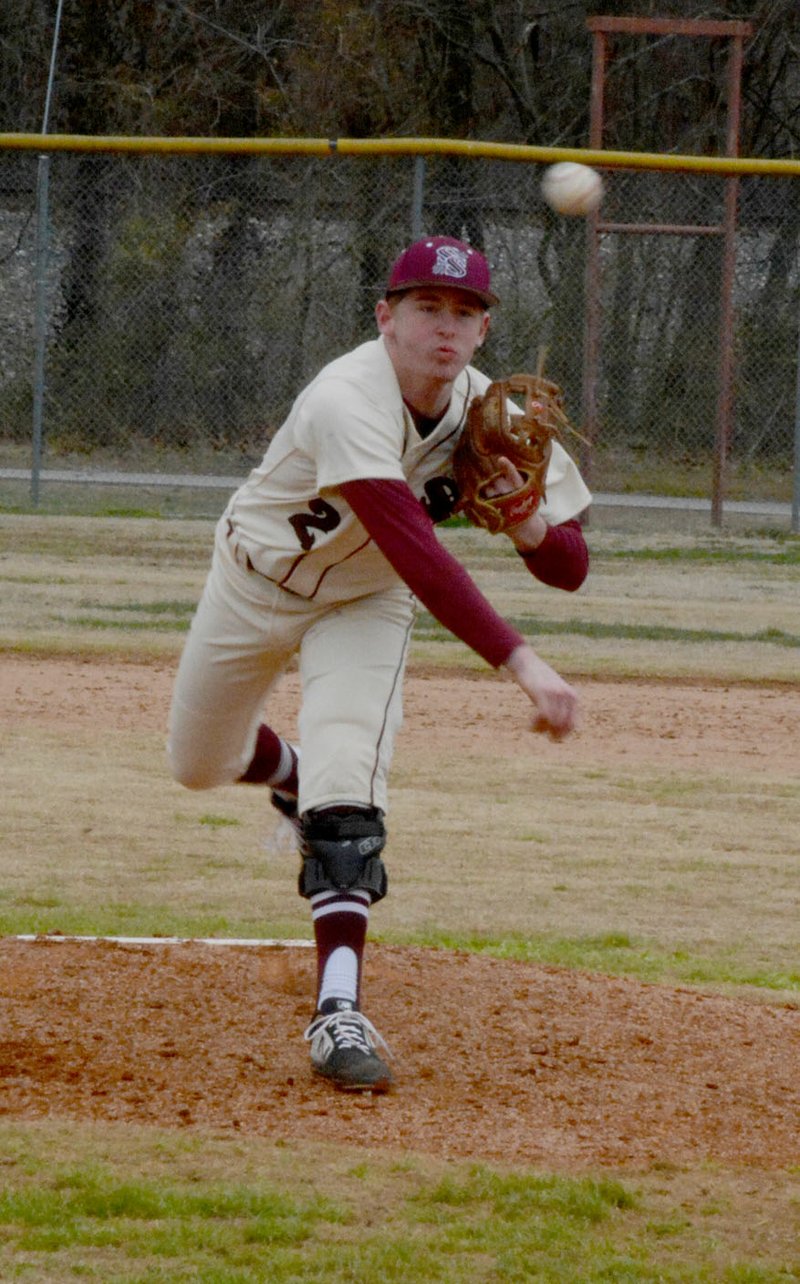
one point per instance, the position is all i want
(499, 1060)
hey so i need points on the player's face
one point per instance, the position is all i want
(432, 333)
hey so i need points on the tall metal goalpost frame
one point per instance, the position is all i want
(737, 32)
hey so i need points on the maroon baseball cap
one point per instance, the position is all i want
(444, 261)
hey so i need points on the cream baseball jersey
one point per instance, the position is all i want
(349, 424)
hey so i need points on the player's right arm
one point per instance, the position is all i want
(555, 700)
(394, 518)
(396, 521)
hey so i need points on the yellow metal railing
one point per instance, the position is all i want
(397, 147)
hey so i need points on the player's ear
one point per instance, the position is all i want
(484, 329)
(383, 316)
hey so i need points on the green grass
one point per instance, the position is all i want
(89, 1207)
(136, 1206)
(218, 822)
(57, 499)
(530, 626)
(127, 625)
(176, 617)
(608, 954)
(729, 553)
(616, 954)
(185, 608)
(659, 597)
(122, 1205)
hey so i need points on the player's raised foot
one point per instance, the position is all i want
(344, 1048)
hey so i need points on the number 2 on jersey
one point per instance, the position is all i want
(323, 517)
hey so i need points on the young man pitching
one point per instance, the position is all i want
(322, 555)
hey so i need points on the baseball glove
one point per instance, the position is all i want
(494, 428)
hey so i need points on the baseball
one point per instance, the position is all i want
(570, 188)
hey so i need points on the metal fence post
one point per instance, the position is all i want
(40, 321)
(42, 250)
(796, 474)
(418, 198)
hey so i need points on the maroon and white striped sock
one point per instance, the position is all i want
(274, 763)
(340, 930)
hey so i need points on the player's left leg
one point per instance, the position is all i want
(342, 875)
(352, 663)
(352, 667)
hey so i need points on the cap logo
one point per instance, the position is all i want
(450, 261)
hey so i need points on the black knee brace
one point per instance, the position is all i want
(342, 851)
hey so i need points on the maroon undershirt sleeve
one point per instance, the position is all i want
(562, 558)
(393, 516)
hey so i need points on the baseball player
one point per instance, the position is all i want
(321, 555)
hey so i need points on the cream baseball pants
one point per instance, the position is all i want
(351, 657)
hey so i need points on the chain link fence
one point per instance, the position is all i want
(173, 305)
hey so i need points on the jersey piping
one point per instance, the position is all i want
(332, 566)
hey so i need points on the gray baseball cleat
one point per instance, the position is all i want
(343, 1050)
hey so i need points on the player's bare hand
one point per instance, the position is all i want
(507, 480)
(528, 534)
(555, 701)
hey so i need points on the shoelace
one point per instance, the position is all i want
(349, 1029)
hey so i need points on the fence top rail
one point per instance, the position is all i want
(394, 147)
